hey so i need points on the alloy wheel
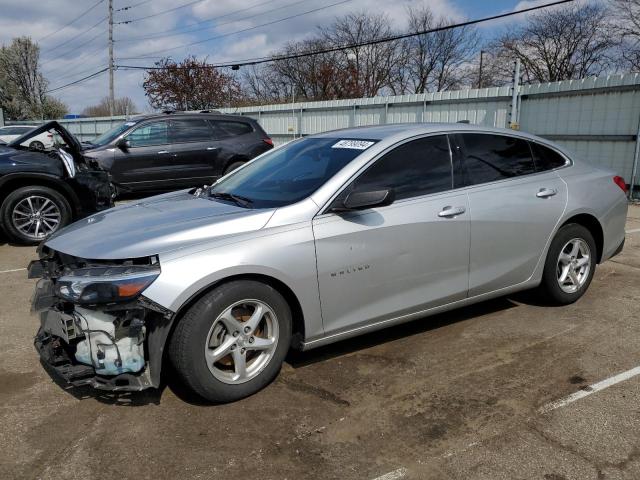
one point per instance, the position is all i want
(241, 341)
(574, 265)
(36, 217)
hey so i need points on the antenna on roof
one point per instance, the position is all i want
(463, 121)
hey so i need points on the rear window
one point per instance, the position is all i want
(546, 158)
(226, 129)
(489, 158)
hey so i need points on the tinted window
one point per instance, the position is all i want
(14, 130)
(149, 134)
(494, 157)
(189, 130)
(290, 173)
(225, 129)
(546, 158)
(415, 168)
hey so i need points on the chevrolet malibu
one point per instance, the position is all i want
(325, 238)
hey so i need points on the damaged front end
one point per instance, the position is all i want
(96, 327)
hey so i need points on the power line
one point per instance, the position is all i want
(184, 28)
(247, 29)
(46, 50)
(160, 13)
(101, 47)
(78, 47)
(69, 23)
(75, 82)
(129, 7)
(274, 58)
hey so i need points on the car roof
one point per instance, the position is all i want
(406, 130)
(201, 114)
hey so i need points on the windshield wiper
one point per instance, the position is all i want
(237, 199)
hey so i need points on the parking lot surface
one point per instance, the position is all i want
(485, 392)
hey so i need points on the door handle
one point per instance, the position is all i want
(212, 148)
(163, 152)
(449, 211)
(546, 192)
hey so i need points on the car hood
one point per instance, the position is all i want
(12, 159)
(155, 225)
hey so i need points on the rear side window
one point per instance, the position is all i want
(546, 158)
(488, 158)
(416, 168)
(189, 130)
(226, 129)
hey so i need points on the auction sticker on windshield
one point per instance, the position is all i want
(353, 144)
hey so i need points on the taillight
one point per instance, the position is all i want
(268, 141)
(620, 182)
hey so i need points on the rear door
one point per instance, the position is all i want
(235, 140)
(195, 152)
(513, 208)
(381, 263)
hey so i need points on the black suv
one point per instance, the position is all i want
(175, 150)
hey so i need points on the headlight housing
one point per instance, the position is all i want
(110, 284)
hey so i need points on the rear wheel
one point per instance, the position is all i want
(232, 342)
(31, 214)
(36, 145)
(570, 265)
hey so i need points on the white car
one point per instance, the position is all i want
(44, 141)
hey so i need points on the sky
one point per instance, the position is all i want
(219, 30)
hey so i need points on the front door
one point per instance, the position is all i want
(195, 151)
(382, 263)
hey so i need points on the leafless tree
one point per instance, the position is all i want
(626, 23)
(190, 85)
(440, 60)
(22, 85)
(121, 106)
(564, 43)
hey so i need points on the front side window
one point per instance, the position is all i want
(546, 158)
(488, 158)
(290, 173)
(416, 168)
(189, 130)
(154, 133)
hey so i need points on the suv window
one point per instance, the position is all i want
(415, 168)
(189, 130)
(154, 133)
(546, 158)
(226, 129)
(495, 157)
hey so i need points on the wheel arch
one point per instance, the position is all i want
(591, 223)
(10, 183)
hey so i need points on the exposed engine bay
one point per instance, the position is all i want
(95, 325)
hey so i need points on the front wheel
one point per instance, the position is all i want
(570, 265)
(231, 343)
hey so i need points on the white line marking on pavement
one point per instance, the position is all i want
(395, 475)
(635, 230)
(596, 387)
(12, 270)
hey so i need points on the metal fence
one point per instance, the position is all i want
(598, 118)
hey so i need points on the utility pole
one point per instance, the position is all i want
(513, 124)
(480, 70)
(111, 96)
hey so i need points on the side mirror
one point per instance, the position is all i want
(123, 144)
(360, 200)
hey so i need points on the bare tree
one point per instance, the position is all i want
(560, 44)
(121, 106)
(437, 61)
(190, 85)
(22, 85)
(626, 23)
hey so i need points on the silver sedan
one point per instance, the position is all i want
(325, 238)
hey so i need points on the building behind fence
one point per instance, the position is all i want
(598, 118)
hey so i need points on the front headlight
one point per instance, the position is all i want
(105, 284)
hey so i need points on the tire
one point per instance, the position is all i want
(576, 243)
(19, 204)
(205, 345)
(36, 145)
(233, 166)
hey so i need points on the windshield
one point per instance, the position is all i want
(290, 173)
(112, 134)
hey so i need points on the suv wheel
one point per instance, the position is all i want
(31, 214)
(233, 166)
(232, 342)
(570, 265)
